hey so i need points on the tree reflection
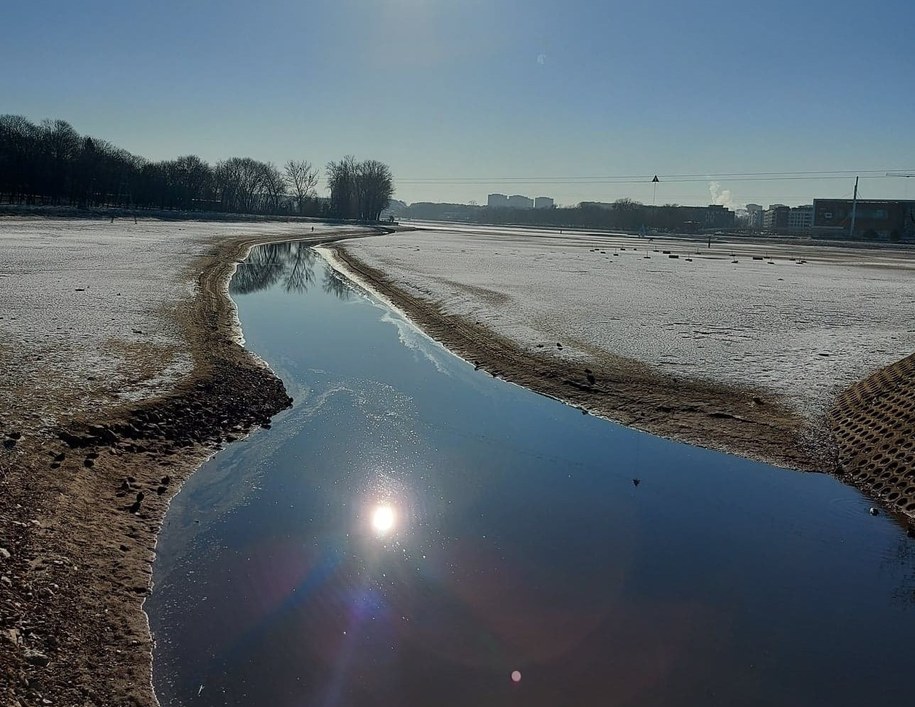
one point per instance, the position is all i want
(292, 264)
(336, 285)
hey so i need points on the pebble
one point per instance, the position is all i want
(35, 657)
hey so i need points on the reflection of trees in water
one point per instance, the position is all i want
(289, 263)
(300, 263)
(262, 269)
(336, 285)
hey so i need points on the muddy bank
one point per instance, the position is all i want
(80, 506)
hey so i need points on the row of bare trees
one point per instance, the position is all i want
(52, 164)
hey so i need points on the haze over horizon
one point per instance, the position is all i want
(457, 96)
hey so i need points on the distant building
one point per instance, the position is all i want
(497, 201)
(776, 218)
(874, 218)
(543, 202)
(755, 216)
(800, 218)
(516, 201)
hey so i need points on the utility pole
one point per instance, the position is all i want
(854, 210)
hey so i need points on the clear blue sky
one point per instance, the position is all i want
(488, 88)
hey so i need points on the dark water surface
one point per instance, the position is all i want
(517, 542)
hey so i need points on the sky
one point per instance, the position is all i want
(466, 97)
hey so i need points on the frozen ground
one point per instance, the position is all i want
(804, 330)
(86, 308)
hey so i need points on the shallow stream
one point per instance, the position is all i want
(414, 532)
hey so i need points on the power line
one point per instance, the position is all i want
(675, 178)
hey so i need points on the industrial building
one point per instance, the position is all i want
(892, 220)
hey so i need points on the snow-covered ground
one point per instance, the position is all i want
(805, 329)
(86, 308)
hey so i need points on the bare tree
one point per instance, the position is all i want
(375, 187)
(273, 185)
(341, 180)
(302, 180)
(359, 189)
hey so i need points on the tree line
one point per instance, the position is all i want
(50, 163)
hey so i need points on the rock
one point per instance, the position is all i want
(104, 434)
(35, 657)
(636, 482)
(166, 480)
(89, 463)
(9, 443)
(60, 457)
(873, 511)
(4, 553)
(74, 441)
(6, 580)
(14, 435)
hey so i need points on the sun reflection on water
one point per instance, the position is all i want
(384, 519)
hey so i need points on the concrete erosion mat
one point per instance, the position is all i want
(113, 393)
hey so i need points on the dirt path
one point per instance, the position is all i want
(79, 513)
(866, 439)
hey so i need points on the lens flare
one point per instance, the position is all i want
(383, 519)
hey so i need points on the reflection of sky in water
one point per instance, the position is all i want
(413, 532)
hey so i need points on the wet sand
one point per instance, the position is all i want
(81, 500)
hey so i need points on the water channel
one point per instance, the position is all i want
(414, 532)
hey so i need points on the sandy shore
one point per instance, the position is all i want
(84, 488)
(825, 421)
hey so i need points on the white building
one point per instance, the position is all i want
(800, 218)
(516, 201)
(755, 216)
(543, 202)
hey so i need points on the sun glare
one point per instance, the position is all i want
(383, 519)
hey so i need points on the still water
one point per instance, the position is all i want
(414, 532)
